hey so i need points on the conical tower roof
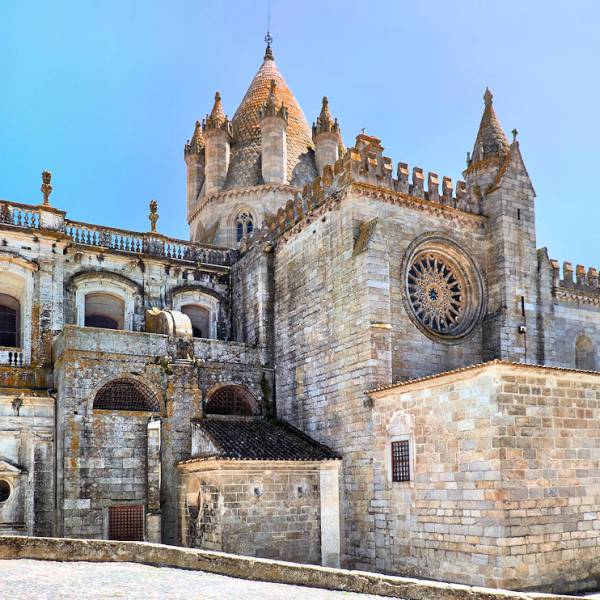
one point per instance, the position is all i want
(491, 140)
(245, 165)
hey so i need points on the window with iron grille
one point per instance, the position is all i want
(401, 460)
(125, 394)
(126, 522)
(232, 400)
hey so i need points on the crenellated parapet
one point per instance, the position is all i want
(365, 168)
(579, 283)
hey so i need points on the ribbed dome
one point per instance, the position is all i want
(245, 163)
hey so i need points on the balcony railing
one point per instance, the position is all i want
(13, 357)
(121, 240)
(20, 215)
(154, 244)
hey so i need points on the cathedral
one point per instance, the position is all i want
(350, 363)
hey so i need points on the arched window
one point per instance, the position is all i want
(585, 358)
(104, 310)
(9, 321)
(232, 400)
(126, 394)
(200, 318)
(243, 225)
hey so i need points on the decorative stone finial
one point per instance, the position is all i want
(196, 144)
(268, 51)
(488, 96)
(46, 187)
(515, 133)
(153, 215)
(269, 108)
(325, 123)
(217, 117)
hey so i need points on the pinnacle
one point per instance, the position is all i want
(488, 97)
(217, 115)
(325, 122)
(269, 53)
(491, 142)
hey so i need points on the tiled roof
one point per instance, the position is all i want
(245, 162)
(261, 440)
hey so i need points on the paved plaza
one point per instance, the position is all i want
(46, 580)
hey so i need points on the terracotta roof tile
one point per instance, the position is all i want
(245, 163)
(261, 440)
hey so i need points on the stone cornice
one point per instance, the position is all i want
(574, 295)
(385, 195)
(402, 199)
(243, 191)
(448, 376)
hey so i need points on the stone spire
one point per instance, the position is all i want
(196, 144)
(491, 141)
(325, 123)
(217, 118)
(326, 137)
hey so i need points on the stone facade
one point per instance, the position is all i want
(119, 347)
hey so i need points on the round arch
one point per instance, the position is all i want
(232, 400)
(127, 394)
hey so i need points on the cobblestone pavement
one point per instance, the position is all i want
(46, 580)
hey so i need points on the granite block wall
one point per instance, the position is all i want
(263, 509)
(505, 481)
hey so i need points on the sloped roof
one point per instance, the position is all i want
(245, 162)
(260, 440)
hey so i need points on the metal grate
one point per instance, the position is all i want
(126, 522)
(232, 400)
(401, 461)
(124, 394)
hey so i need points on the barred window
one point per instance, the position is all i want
(124, 394)
(401, 460)
(232, 400)
(126, 522)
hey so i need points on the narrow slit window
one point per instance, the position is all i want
(401, 460)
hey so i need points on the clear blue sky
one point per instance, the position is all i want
(105, 93)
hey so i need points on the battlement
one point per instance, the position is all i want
(576, 279)
(365, 164)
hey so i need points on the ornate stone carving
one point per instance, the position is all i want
(443, 292)
(46, 188)
(436, 292)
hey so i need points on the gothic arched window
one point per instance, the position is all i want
(585, 358)
(243, 225)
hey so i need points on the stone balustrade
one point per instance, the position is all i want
(154, 244)
(14, 357)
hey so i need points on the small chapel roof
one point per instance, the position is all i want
(260, 440)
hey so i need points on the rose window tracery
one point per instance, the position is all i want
(436, 293)
(443, 289)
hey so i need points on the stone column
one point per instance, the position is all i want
(330, 513)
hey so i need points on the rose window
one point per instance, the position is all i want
(443, 289)
(435, 293)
